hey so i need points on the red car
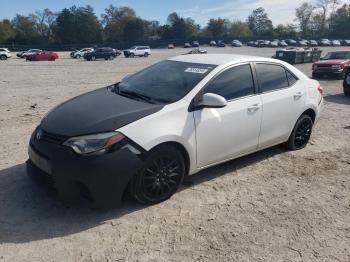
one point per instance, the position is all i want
(333, 63)
(43, 56)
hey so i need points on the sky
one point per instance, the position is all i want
(280, 11)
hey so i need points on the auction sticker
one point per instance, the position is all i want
(196, 70)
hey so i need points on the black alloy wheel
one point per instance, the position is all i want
(160, 177)
(301, 133)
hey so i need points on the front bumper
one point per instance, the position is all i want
(327, 71)
(100, 181)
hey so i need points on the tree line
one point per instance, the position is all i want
(77, 25)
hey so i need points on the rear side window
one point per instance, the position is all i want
(233, 83)
(271, 77)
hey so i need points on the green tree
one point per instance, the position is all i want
(179, 27)
(25, 30)
(134, 30)
(259, 23)
(115, 20)
(340, 21)
(78, 25)
(285, 31)
(7, 33)
(217, 27)
(240, 29)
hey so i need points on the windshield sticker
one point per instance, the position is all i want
(196, 70)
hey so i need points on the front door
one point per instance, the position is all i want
(231, 131)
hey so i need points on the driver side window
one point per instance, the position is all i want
(233, 83)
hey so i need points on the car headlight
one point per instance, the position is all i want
(95, 143)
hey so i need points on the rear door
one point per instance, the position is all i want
(283, 99)
(224, 133)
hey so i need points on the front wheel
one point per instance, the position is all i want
(146, 55)
(3, 57)
(301, 133)
(160, 177)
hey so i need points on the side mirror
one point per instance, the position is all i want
(213, 100)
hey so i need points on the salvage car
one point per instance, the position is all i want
(144, 51)
(4, 54)
(80, 53)
(175, 118)
(333, 63)
(29, 52)
(106, 53)
(42, 56)
(346, 83)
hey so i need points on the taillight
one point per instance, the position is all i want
(320, 89)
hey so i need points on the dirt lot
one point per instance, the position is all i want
(274, 205)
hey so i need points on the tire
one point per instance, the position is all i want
(52, 59)
(132, 55)
(93, 58)
(106, 58)
(346, 91)
(145, 55)
(3, 57)
(161, 175)
(341, 76)
(301, 133)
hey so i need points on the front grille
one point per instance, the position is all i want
(324, 65)
(52, 138)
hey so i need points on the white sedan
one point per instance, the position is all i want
(170, 120)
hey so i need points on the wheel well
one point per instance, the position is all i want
(311, 113)
(181, 149)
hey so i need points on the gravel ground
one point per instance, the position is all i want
(273, 205)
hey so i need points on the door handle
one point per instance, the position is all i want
(254, 107)
(298, 95)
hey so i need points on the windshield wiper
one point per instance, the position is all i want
(133, 94)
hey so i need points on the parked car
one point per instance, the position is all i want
(80, 53)
(171, 46)
(29, 52)
(346, 83)
(324, 42)
(187, 45)
(195, 44)
(4, 54)
(313, 43)
(148, 132)
(291, 42)
(250, 43)
(274, 44)
(106, 53)
(262, 43)
(236, 43)
(346, 42)
(197, 51)
(221, 43)
(302, 43)
(336, 43)
(144, 51)
(42, 56)
(333, 63)
(212, 43)
(282, 43)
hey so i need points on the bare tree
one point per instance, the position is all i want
(325, 6)
(44, 20)
(303, 16)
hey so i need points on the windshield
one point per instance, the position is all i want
(164, 82)
(337, 55)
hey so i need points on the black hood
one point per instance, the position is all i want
(94, 112)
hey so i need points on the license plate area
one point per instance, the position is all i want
(40, 161)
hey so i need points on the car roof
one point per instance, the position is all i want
(218, 59)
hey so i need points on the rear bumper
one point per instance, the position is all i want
(99, 181)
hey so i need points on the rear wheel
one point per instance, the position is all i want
(146, 55)
(301, 133)
(160, 177)
(3, 57)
